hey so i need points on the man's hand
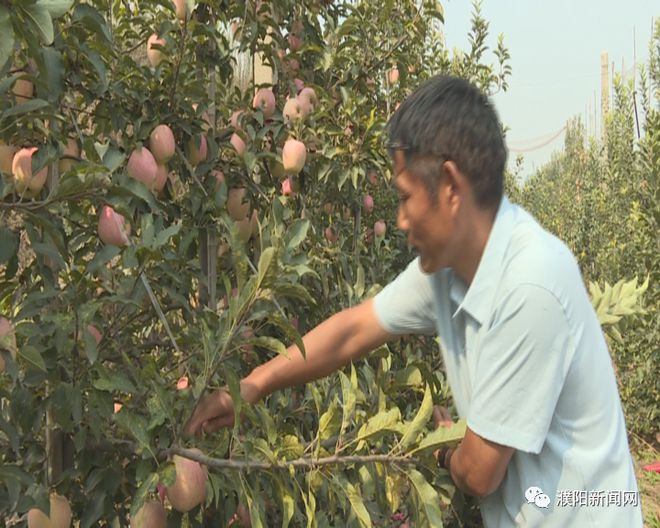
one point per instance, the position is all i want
(216, 410)
(441, 417)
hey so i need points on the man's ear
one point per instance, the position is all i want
(452, 184)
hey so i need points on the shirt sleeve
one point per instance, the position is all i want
(523, 362)
(405, 305)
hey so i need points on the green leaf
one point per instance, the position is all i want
(91, 349)
(165, 235)
(296, 291)
(393, 490)
(410, 376)
(330, 421)
(134, 425)
(8, 244)
(56, 8)
(266, 260)
(113, 158)
(296, 234)
(442, 436)
(288, 506)
(53, 73)
(6, 36)
(378, 424)
(349, 396)
(99, 66)
(419, 422)
(93, 511)
(114, 381)
(357, 504)
(140, 190)
(24, 108)
(13, 472)
(143, 492)
(49, 251)
(32, 356)
(92, 20)
(428, 497)
(359, 283)
(40, 17)
(288, 330)
(105, 254)
(270, 343)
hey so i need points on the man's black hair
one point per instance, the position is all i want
(447, 118)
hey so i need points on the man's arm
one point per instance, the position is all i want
(477, 466)
(344, 337)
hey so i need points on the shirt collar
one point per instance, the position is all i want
(478, 298)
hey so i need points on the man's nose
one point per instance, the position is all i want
(401, 220)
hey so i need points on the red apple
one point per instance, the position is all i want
(309, 95)
(286, 186)
(142, 166)
(181, 10)
(161, 143)
(330, 234)
(219, 176)
(234, 118)
(94, 332)
(197, 154)
(26, 182)
(264, 99)
(379, 228)
(161, 178)
(293, 110)
(237, 207)
(112, 227)
(6, 156)
(154, 55)
(368, 203)
(72, 149)
(294, 155)
(238, 144)
(151, 515)
(23, 90)
(189, 488)
(393, 75)
(60, 514)
(295, 42)
(7, 340)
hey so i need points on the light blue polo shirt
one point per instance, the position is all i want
(528, 367)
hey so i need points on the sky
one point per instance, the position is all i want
(555, 50)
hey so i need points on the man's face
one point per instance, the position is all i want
(430, 225)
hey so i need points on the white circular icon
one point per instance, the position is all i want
(532, 493)
(542, 500)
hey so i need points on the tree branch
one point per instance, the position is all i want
(305, 462)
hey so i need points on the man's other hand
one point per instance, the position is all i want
(214, 411)
(441, 417)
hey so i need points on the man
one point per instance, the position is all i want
(525, 356)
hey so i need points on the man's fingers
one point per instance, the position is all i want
(441, 417)
(194, 426)
(202, 412)
(210, 426)
(214, 411)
